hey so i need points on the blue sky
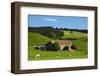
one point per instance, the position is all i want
(58, 21)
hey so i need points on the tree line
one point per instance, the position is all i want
(78, 30)
(54, 33)
(51, 32)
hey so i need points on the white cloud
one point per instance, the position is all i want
(38, 25)
(50, 19)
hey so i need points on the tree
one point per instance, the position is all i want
(49, 46)
(66, 48)
(73, 47)
(56, 46)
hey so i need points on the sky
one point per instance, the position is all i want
(71, 22)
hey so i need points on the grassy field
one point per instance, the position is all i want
(68, 34)
(50, 55)
(38, 39)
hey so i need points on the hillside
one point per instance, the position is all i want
(81, 39)
(37, 39)
(47, 31)
(73, 35)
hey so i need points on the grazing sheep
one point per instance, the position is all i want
(37, 56)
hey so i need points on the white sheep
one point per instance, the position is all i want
(37, 56)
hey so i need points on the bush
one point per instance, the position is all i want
(66, 48)
(37, 48)
(56, 46)
(73, 47)
(49, 46)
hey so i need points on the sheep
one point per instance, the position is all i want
(37, 56)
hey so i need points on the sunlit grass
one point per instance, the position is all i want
(38, 39)
(51, 55)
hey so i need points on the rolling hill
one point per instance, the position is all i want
(37, 39)
(81, 39)
(74, 34)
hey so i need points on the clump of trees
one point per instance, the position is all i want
(56, 46)
(54, 33)
(66, 48)
(52, 47)
(72, 30)
(48, 46)
(73, 47)
(51, 32)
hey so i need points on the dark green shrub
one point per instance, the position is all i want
(37, 48)
(56, 46)
(49, 46)
(73, 47)
(66, 48)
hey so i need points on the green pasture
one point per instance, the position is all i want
(74, 34)
(51, 55)
(38, 39)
